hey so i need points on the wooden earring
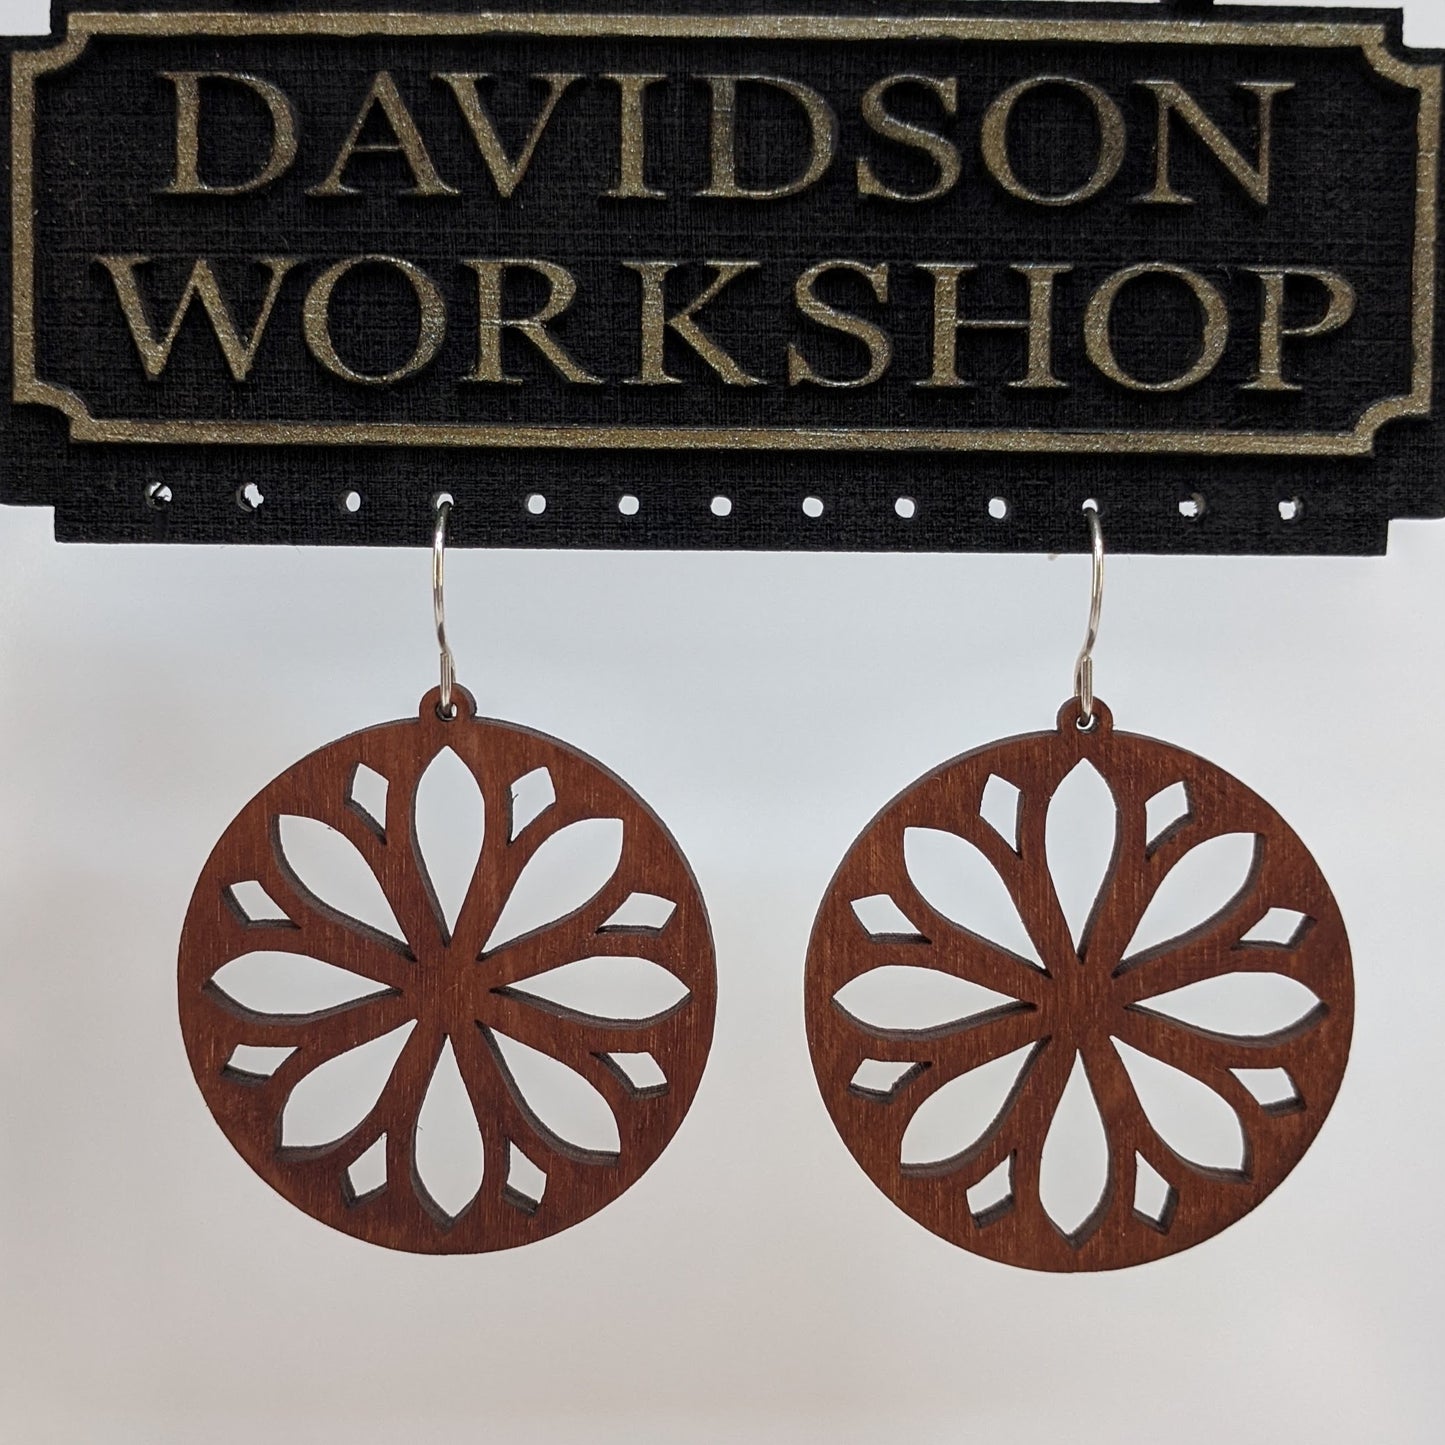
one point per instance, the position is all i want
(435, 994)
(1103, 1009)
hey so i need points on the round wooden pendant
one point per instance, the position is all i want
(1193, 1068)
(559, 1101)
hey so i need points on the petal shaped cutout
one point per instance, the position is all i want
(900, 996)
(957, 880)
(1248, 1005)
(1164, 812)
(532, 794)
(1074, 1167)
(250, 1063)
(882, 1080)
(1154, 1196)
(1194, 1121)
(448, 1146)
(882, 918)
(1201, 885)
(607, 987)
(999, 808)
(1273, 1089)
(568, 870)
(641, 913)
(290, 983)
(568, 1108)
(526, 1184)
(951, 1122)
(329, 867)
(1079, 834)
(366, 797)
(448, 823)
(367, 1175)
(993, 1196)
(640, 1071)
(337, 1096)
(254, 905)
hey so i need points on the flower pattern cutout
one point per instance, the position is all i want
(1068, 1057)
(437, 1051)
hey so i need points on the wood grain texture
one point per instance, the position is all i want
(1081, 1000)
(447, 983)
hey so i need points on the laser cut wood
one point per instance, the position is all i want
(452, 987)
(1085, 998)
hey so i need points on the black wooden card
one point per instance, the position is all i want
(846, 276)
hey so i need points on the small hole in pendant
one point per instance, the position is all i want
(536, 504)
(158, 496)
(250, 497)
(1192, 507)
(905, 507)
(1087, 724)
(629, 505)
(1291, 509)
(350, 503)
(722, 506)
(998, 509)
(812, 506)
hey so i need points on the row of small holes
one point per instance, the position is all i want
(250, 498)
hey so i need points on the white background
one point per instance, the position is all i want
(754, 1286)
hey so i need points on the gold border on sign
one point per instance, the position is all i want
(1370, 40)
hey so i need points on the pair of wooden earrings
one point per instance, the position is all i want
(453, 990)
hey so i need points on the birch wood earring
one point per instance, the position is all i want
(438, 998)
(1083, 1016)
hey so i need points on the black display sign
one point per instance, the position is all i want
(726, 277)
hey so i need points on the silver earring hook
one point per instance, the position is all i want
(1084, 667)
(446, 709)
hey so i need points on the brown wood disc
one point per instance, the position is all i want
(446, 985)
(1083, 999)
